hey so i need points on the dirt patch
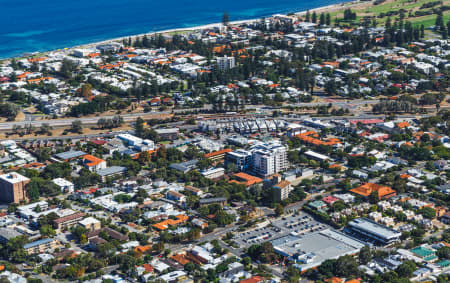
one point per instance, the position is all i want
(20, 117)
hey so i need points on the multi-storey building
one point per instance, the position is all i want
(13, 188)
(268, 159)
(240, 158)
(226, 63)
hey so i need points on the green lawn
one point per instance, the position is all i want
(395, 6)
(428, 20)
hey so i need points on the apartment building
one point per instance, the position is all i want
(281, 190)
(13, 188)
(226, 63)
(40, 246)
(68, 221)
(240, 158)
(269, 159)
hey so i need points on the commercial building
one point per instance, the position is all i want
(13, 188)
(130, 139)
(184, 166)
(111, 172)
(316, 156)
(69, 155)
(213, 173)
(372, 232)
(168, 134)
(268, 159)
(226, 63)
(312, 249)
(7, 234)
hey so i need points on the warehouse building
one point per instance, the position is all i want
(372, 232)
(310, 250)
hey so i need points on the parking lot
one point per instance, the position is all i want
(299, 224)
(258, 236)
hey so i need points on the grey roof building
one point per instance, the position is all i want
(111, 171)
(69, 155)
(6, 234)
(372, 232)
(312, 249)
(184, 166)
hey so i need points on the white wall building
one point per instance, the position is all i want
(226, 63)
(269, 159)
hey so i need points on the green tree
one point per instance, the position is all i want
(443, 252)
(77, 126)
(428, 212)
(279, 210)
(365, 255)
(406, 269)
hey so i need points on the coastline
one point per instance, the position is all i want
(327, 8)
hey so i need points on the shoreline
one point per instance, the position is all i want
(334, 7)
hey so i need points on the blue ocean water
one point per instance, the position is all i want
(42, 25)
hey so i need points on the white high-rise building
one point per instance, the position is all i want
(269, 159)
(226, 63)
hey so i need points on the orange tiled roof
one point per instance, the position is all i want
(334, 280)
(92, 160)
(111, 66)
(254, 279)
(93, 55)
(142, 249)
(283, 184)
(306, 137)
(33, 165)
(23, 75)
(37, 59)
(248, 180)
(163, 225)
(402, 125)
(180, 259)
(219, 152)
(334, 64)
(368, 188)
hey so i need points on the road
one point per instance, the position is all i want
(129, 117)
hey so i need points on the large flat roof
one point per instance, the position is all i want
(70, 154)
(312, 249)
(372, 227)
(13, 178)
(111, 170)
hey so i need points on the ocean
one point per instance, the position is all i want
(43, 25)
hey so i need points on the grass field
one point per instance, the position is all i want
(428, 21)
(368, 9)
